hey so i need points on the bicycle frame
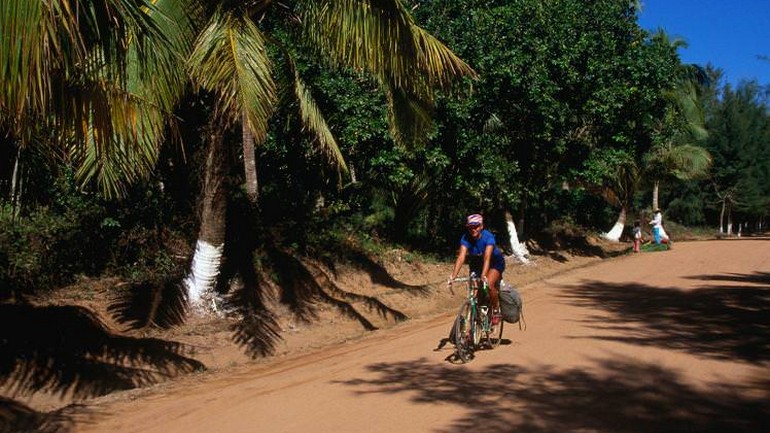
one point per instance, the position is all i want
(473, 320)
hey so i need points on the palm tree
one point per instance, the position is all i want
(230, 58)
(622, 178)
(83, 68)
(107, 75)
(678, 153)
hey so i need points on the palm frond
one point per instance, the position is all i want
(230, 59)
(380, 37)
(30, 52)
(43, 39)
(493, 124)
(315, 123)
(685, 98)
(439, 62)
(409, 117)
(688, 161)
(155, 73)
(88, 65)
(116, 135)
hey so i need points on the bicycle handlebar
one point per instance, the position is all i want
(472, 277)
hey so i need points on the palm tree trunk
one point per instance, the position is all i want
(722, 218)
(617, 229)
(207, 259)
(16, 185)
(522, 211)
(655, 190)
(518, 249)
(249, 161)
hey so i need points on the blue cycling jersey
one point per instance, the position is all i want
(476, 249)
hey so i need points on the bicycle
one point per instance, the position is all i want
(473, 328)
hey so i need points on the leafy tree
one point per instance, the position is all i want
(677, 152)
(225, 46)
(651, 72)
(378, 37)
(563, 85)
(739, 127)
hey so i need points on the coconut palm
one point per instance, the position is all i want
(231, 58)
(82, 68)
(621, 179)
(108, 73)
(678, 153)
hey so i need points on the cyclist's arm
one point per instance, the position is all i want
(461, 253)
(487, 259)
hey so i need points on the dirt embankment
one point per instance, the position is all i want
(352, 302)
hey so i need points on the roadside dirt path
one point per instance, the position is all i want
(658, 342)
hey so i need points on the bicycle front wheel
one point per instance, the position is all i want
(495, 335)
(463, 333)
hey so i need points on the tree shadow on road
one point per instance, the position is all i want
(716, 321)
(16, 417)
(68, 350)
(618, 396)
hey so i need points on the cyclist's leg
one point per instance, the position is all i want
(493, 278)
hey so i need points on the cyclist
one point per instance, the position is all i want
(484, 259)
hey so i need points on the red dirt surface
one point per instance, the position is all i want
(657, 342)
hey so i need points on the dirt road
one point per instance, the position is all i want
(659, 342)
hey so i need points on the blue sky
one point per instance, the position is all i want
(729, 34)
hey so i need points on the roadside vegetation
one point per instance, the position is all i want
(137, 144)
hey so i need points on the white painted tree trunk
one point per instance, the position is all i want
(201, 281)
(518, 248)
(203, 275)
(617, 229)
(655, 191)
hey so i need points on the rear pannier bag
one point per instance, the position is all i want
(510, 303)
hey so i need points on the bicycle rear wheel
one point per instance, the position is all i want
(464, 334)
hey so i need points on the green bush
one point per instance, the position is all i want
(79, 233)
(48, 247)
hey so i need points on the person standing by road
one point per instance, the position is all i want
(484, 259)
(637, 236)
(658, 233)
(656, 223)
